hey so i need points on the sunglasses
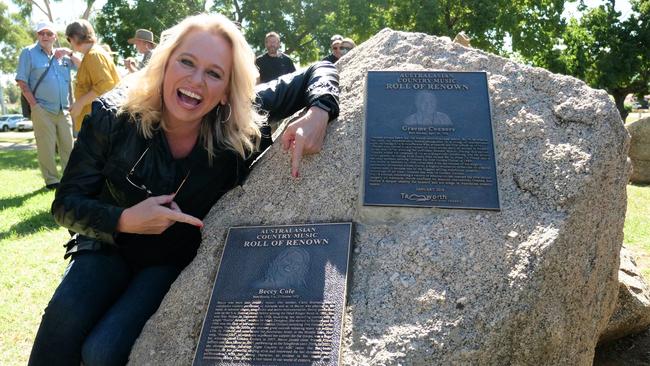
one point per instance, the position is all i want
(46, 34)
(144, 188)
(345, 48)
(335, 47)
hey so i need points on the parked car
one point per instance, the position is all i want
(24, 125)
(9, 123)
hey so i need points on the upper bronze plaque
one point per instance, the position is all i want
(278, 298)
(428, 140)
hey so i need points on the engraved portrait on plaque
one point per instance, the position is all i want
(288, 270)
(428, 140)
(278, 298)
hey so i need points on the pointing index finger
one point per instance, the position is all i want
(296, 154)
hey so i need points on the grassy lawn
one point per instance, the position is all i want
(637, 115)
(31, 249)
(31, 253)
(637, 226)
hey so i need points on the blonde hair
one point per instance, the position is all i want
(144, 101)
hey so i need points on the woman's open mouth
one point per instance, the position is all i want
(188, 98)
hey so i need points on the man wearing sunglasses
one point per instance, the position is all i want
(335, 45)
(41, 64)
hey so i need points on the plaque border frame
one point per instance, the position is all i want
(345, 282)
(364, 147)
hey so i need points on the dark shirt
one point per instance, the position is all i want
(94, 190)
(274, 67)
(331, 58)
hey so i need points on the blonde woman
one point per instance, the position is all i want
(97, 73)
(143, 175)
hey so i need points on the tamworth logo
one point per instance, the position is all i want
(423, 197)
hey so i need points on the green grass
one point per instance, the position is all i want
(637, 226)
(31, 253)
(634, 116)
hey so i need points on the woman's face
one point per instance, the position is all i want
(196, 77)
(74, 44)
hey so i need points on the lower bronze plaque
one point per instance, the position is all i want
(279, 297)
(428, 140)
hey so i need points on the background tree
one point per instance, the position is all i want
(607, 52)
(12, 93)
(15, 33)
(304, 26)
(44, 7)
(119, 19)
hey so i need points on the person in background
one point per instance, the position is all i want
(273, 63)
(149, 165)
(347, 44)
(49, 105)
(335, 45)
(143, 41)
(97, 73)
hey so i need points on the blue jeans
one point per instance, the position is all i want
(98, 310)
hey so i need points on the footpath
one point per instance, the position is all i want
(17, 140)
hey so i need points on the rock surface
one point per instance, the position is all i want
(532, 284)
(640, 150)
(632, 313)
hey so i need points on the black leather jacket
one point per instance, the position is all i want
(94, 190)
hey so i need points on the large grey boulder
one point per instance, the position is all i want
(632, 312)
(532, 284)
(640, 150)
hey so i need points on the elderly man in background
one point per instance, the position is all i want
(41, 64)
(143, 41)
(273, 63)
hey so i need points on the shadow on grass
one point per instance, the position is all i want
(18, 159)
(31, 225)
(17, 201)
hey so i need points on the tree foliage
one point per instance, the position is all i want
(14, 35)
(12, 93)
(607, 52)
(44, 7)
(306, 26)
(119, 19)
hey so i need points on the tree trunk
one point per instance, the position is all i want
(619, 99)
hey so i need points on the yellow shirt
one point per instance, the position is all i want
(98, 73)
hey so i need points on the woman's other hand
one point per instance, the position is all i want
(75, 108)
(305, 136)
(153, 216)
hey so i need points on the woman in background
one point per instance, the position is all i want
(97, 73)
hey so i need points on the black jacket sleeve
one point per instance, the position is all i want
(76, 204)
(286, 95)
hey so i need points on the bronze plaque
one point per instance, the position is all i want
(429, 141)
(279, 297)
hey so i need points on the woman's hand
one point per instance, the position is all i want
(60, 52)
(153, 216)
(75, 108)
(305, 136)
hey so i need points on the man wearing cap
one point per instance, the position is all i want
(50, 103)
(335, 45)
(143, 41)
